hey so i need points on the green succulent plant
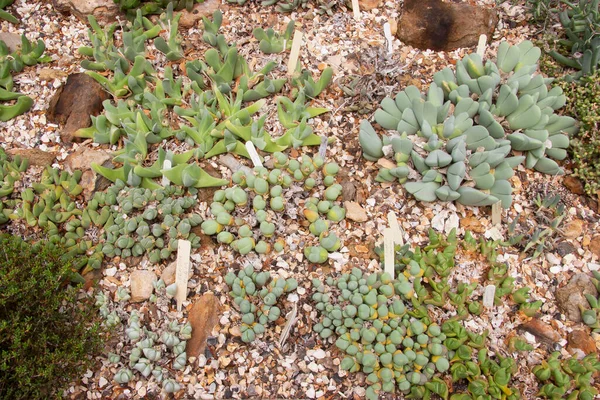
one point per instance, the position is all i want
(274, 42)
(568, 378)
(461, 152)
(256, 295)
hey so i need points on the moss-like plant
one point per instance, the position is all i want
(48, 336)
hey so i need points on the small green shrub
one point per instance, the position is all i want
(583, 103)
(48, 337)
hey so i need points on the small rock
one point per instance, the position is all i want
(102, 382)
(385, 163)
(541, 330)
(168, 274)
(573, 184)
(35, 156)
(581, 340)
(564, 248)
(552, 259)
(203, 316)
(50, 74)
(105, 11)
(573, 229)
(355, 212)
(142, 285)
(80, 98)
(570, 297)
(12, 40)
(437, 25)
(319, 354)
(189, 19)
(82, 159)
(110, 271)
(595, 246)
(472, 224)
(367, 5)
(348, 191)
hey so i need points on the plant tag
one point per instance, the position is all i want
(291, 320)
(395, 227)
(387, 32)
(388, 251)
(496, 213)
(356, 9)
(253, 154)
(323, 147)
(183, 269)
(488, 296)
(481, 45)
(295, 53)
(166, 165)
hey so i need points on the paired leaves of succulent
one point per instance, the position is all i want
(266, 192)
(454, 138)
(257, 295)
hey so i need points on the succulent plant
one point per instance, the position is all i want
(256, 295)
(461, 152)
(274, 42)
(27, 54)
(567, 378)
(6, 15)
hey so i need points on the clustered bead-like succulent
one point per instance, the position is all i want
(152, 349)
(256, 295)
(453, 143)
(387, 330)
(269, 189)
(568, 378)
(10, 172)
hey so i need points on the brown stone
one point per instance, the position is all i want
(12, 40)
(541, 330)
(50, 74)
(573, 229)
(355, 212)
(105, 11)
(36, 157)
(72, 105)
(190, 19)
(348, 190)
(581, 340)
(440, 26)
(82, 159)
(472, 224)
(142, 285)
(573, 184)
(203, 316)
(571, 297)
(367, 5)
(595, 246)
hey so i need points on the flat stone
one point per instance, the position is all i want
(82, 159)
(105, 11)
(472, 224)
(355, 212)
(168, 274)
(574, 184)
(595, 246)
(571, 297)
(73, 104)
(581, 340)
(366, 5)
(36, 157)
(564, 248)
(541, 330)
(190, 19)
(348, 191)
(573, 229)
(436, 25)
(142, 285)
(203, 316)
(50, 74)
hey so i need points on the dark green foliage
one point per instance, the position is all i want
(48, 337)
(583, 102)
(581, 24)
